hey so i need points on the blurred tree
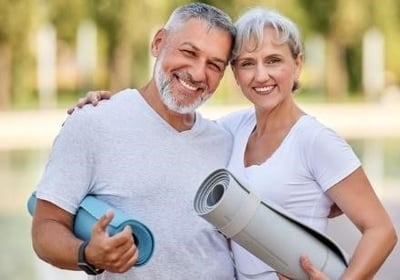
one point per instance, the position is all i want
(66, 17)
(125, 29)
(385, 14)
(127, 26)
(343, 24)
(16, 65)
(321, 18)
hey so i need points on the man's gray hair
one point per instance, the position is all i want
(250, 26)
(212, 15)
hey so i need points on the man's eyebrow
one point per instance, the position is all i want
(214, 58)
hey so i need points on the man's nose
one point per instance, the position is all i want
(198, 71)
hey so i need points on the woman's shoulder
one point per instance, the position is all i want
(310, 127)
(234, 120)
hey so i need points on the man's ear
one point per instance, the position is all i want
(158, 41)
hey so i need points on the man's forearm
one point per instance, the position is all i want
(55, 244)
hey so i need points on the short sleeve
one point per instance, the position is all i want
(68, 173)
(332, 159)
(231, 122)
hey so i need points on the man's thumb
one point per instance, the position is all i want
(102, 223)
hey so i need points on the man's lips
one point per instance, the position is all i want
(187, 85)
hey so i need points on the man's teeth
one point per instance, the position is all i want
(186, 85)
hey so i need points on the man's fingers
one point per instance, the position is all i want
(124, 239)
(128, 259)
(124, 253)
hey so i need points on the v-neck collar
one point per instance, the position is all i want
(193, 131)
(251, 128)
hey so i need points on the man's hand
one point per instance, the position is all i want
(92, 97)
(117, 253)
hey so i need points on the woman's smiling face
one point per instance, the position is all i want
(266, 73)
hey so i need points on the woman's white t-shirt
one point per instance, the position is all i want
(311, 159)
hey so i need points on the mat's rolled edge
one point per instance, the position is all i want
(219, 177)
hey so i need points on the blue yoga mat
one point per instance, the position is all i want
(92, 209)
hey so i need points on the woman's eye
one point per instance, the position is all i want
(246, 64)
(273, 60)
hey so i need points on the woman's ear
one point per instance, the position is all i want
(158, 42)
(299, 64)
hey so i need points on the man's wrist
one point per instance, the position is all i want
(83, 264)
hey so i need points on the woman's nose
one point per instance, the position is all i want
(262, 73)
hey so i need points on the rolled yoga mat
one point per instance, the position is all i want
(264, 229)
(92, 209)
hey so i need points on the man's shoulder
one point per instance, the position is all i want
(125, 93)
(120, 99)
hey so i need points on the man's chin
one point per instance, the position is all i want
(183, 110)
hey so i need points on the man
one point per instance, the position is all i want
(145, 152)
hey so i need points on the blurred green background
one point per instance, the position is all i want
(53, 51)
(104, 44)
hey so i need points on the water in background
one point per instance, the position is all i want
(20, 171)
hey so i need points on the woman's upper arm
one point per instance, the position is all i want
(356, 197)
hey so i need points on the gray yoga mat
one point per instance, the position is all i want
(264, 229)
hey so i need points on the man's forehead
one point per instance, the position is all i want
(198, 27)
(197, 34)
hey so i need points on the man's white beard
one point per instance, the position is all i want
(164, 89)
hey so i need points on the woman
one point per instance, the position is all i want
(289, 157)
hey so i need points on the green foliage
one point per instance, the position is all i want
(320, 13)
(125, 28)
(66, 16)
(16, 19)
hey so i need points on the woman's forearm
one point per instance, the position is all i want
(373, 248)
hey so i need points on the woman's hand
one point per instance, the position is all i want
(309, 268)
(335, 211)
(92, 97)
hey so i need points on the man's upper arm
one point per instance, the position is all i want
(47, 212)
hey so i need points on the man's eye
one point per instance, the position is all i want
(188, 52)
(216, 67)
